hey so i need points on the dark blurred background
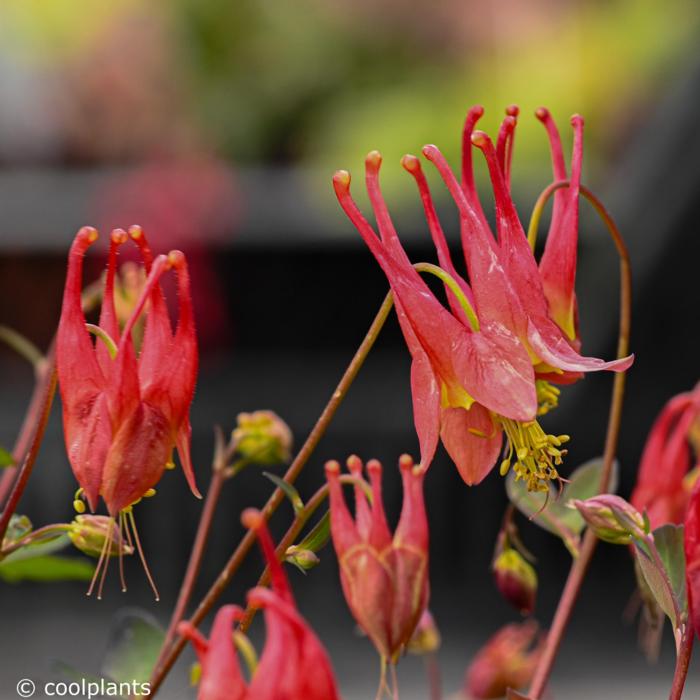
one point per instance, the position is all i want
(217, 126)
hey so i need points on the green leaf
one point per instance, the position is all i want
(6, 458)
(133, 647)
(289, 491)
(556, 517)
(46, 568)
(319, 534)
(665, 577)
(38, 549)
(18, 527)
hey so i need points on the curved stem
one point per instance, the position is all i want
(42, 418)
(454, 288)
(682, 663)
(21, 345)
(580, 565)
(46, 532)
(277, 496)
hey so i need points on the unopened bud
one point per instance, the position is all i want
(426, 638)
(516, 580)
(90, 532)
(612, 518)
(303, 558)
(263, 437)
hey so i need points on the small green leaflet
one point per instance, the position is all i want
(666, 579)
(289, 491)
(6, 459)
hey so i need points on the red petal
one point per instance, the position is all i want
(692, 556)
(85, 417)
(558, 263)
(474, 455)
(343, 529)
(108, 314)
(293, 664)
(363, 515)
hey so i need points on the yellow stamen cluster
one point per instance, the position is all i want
(533, 454)
(547, 396)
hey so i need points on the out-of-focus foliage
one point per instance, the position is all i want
(316, 81)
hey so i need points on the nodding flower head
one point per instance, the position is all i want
(293, 663)
(666, 475)
(124, 413)
(507, 660)
(384, 578)
(486, 367)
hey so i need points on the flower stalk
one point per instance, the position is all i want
(580, 565)
(307, 449)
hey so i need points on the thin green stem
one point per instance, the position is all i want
(580, 565)
(22, 346)
(454, 288)
(47, 532)
(277, 496)
(105, 337)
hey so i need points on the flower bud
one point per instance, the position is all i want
(305, 559)
(263, 437)
(516, 579)
(426, 639)
(89, 533)
(611, 518)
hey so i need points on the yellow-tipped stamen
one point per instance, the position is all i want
(150, 493)
(100, 562)
(78, 502)
(547, 396)
(106, 549)
(130, 519)
(533, 454)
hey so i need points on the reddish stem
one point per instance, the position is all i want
(682, 663)
(37, 418)
(278, 496)
(580, 565)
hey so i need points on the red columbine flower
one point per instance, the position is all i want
(293, 663)
(663, 484)
(507, 660)
(385, 579)
(124, 414)
(221, 677)
(485, 368)
(462, 372)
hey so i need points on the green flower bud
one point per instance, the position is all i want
(303, 558)
(89, 533)
(612, 518)
(263, 437)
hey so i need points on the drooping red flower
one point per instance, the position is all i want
(486, 367)
(293, 663)
(461, 374)
(507, 660)
(124, 414)
(384, 578)
(221, 677)
(663, 488)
